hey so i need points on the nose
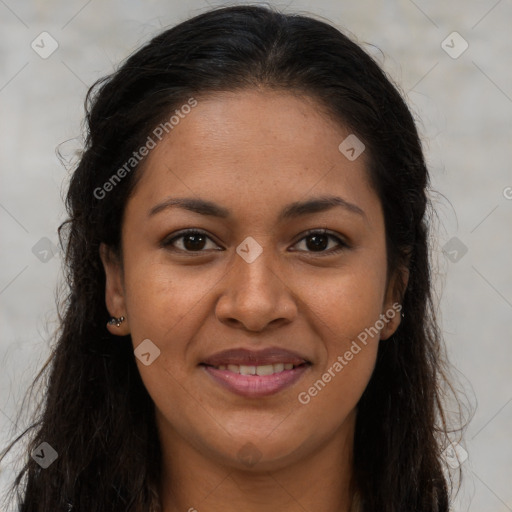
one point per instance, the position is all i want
(254, 296)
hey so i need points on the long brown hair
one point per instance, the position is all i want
(97, 414)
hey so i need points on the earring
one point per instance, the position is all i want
(116, 321)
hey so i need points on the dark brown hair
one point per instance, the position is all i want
(97, 413)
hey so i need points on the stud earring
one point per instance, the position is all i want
(116, 321)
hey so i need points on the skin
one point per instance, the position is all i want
(252, 152)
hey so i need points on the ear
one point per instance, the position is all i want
(392, 307)
(114, 289)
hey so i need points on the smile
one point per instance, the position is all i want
(267, 369)
(256, 381)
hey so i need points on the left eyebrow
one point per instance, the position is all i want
(293, 210)
(316, 205)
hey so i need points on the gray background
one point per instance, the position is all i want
(463, 107)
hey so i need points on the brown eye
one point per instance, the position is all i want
(197, 241)
(318, 241)
(189, 241)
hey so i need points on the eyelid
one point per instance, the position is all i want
(342, 243)
(168, 241)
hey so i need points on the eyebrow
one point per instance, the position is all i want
(293, 210)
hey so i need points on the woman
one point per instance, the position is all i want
(214, 355)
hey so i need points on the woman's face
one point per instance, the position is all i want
(253, 291)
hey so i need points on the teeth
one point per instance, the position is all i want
(267, 369)
(247, 370)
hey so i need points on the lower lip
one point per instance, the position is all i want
(256, 385)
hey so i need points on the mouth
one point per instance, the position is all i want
(261, 370)
(255, 374)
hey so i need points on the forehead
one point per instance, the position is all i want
(260, 146)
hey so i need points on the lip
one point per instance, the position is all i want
(243, 356)
(254, 386)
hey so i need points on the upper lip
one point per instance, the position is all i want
(243, 356)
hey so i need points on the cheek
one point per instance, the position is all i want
(333, 394)
(346, 318)
(347, 301)
(163, 306)
(161, 301)
(346, 306)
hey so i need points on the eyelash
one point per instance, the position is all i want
(342, 245)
